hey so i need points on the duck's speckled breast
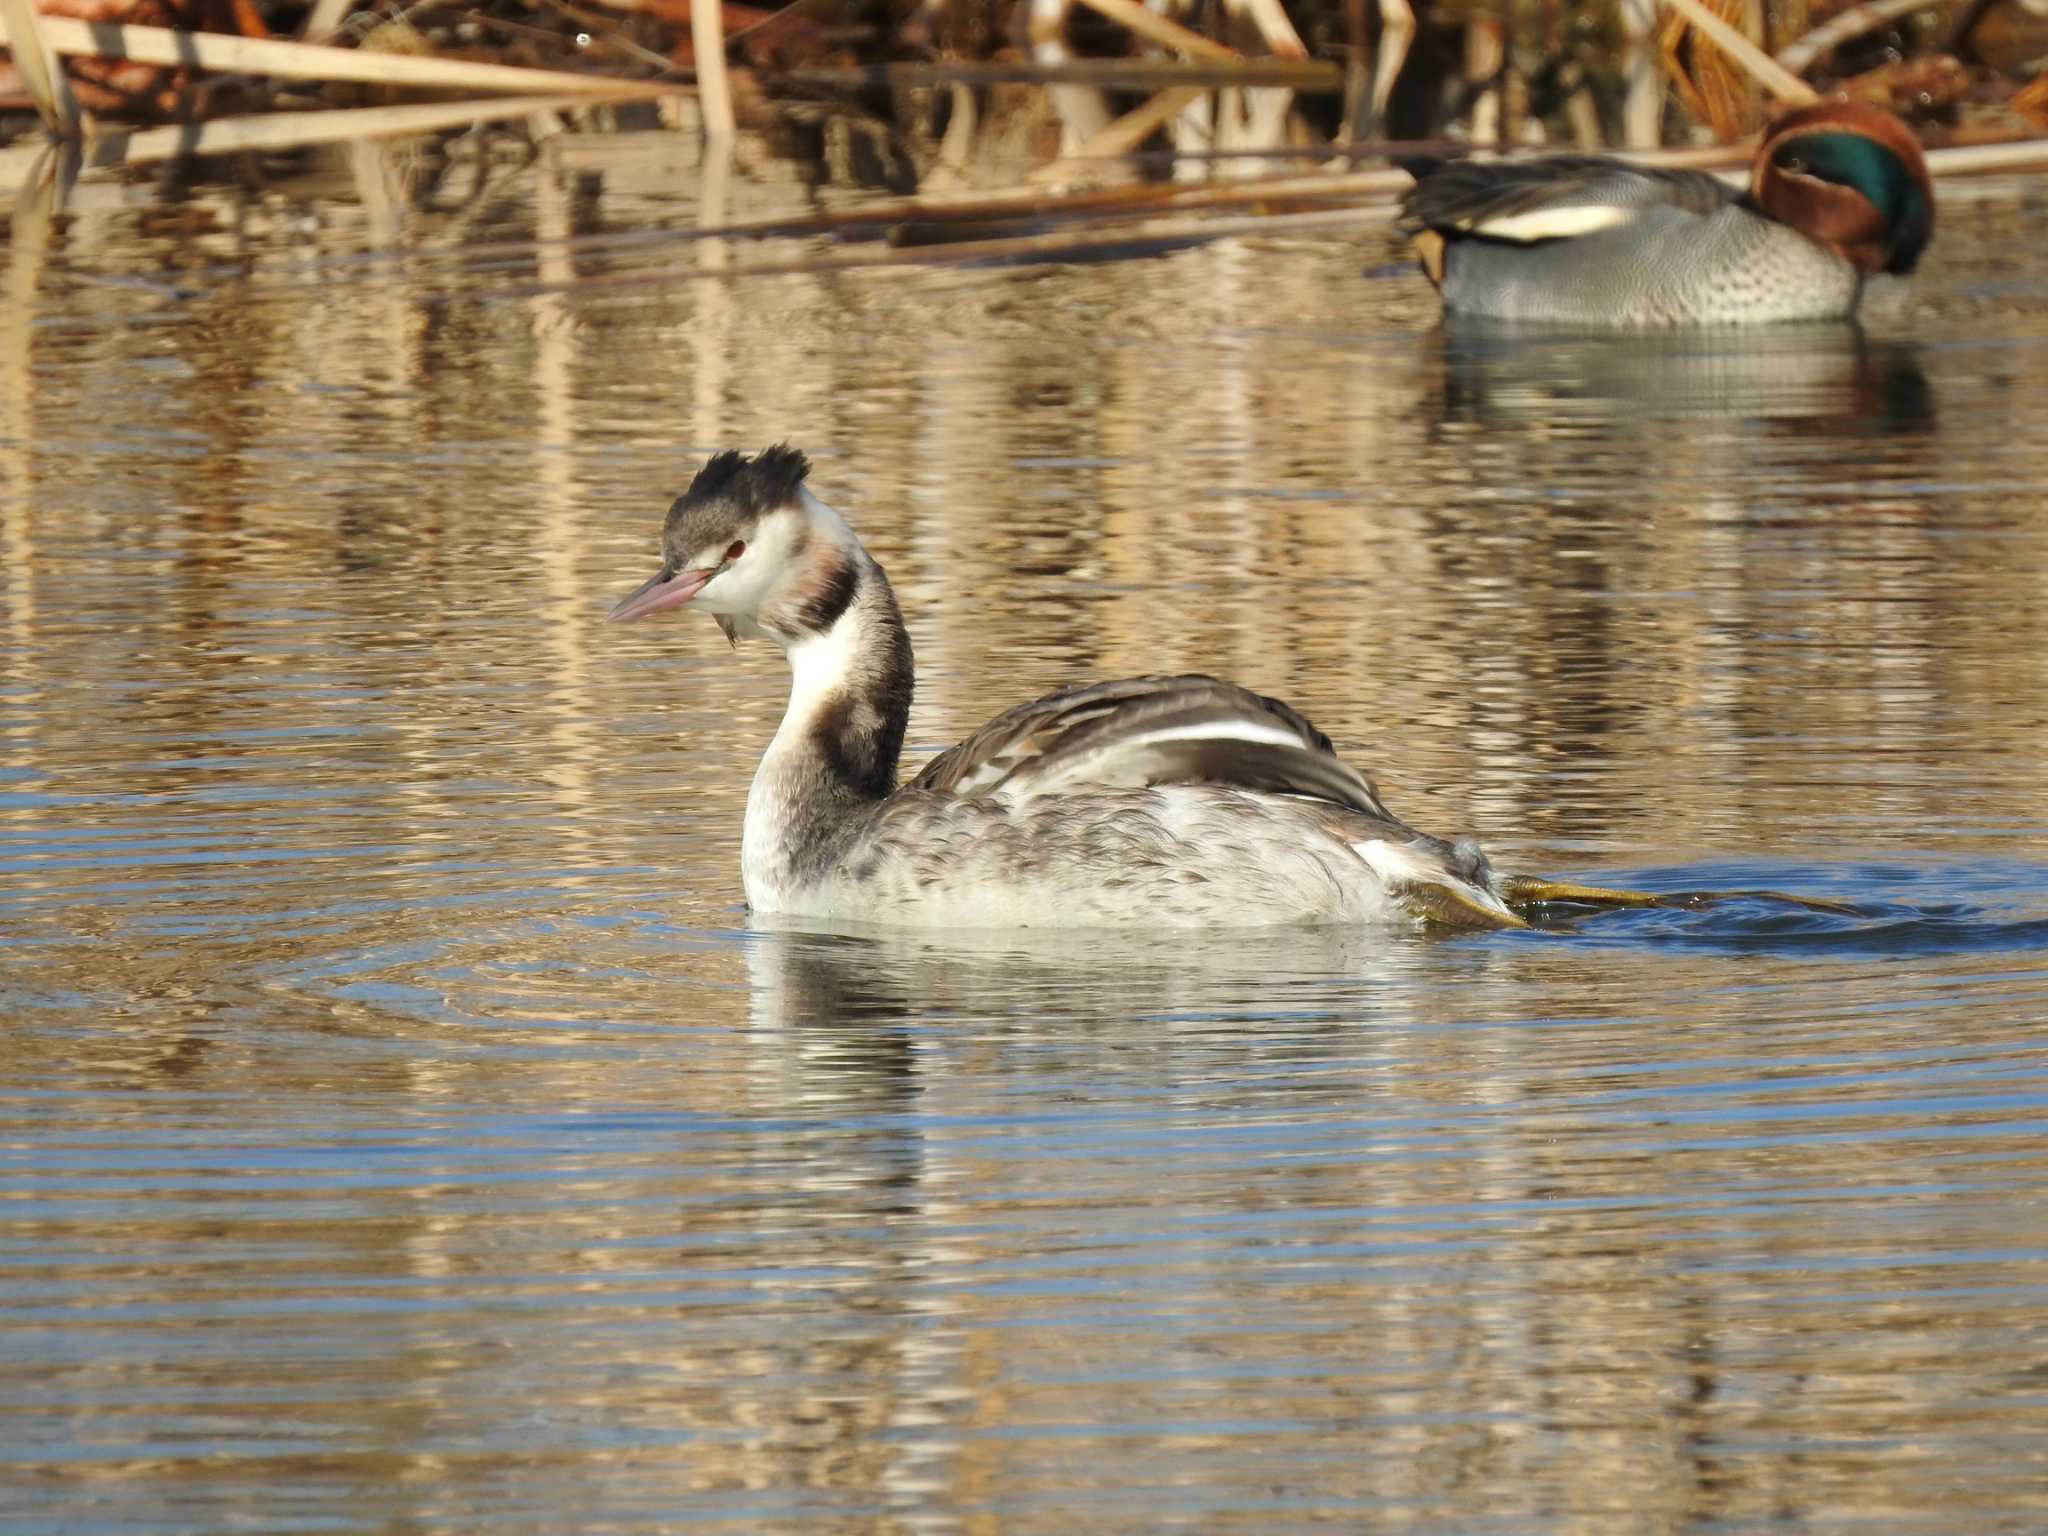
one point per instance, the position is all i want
(1666, 267)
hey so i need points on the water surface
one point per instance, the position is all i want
(403, 1127)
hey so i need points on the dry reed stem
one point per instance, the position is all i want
(275, 130)
(1123, 135)
(1799, 56)
(35, 60)
(714, 95)
(1764, 69)
(324, 20)
(1140, 22)
(1397, 31)
(2030, 101)
(1988, 159)
(292, 130)
(1271, 20)
(1047, 247)
(311, 61)
(1724, 96)
(1670, 39)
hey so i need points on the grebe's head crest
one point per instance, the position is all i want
(750, 545)
(730, 495)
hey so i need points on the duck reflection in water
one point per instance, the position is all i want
(1800, 378)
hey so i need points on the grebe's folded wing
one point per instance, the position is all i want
(1139, 732)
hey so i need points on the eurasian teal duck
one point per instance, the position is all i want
(1838, 191)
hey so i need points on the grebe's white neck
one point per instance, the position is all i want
(750, 545)
(836, 751)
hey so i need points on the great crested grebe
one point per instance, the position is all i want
(1837, 192)
(1150, 802)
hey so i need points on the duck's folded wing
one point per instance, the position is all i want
(1145, 731)
(1555, 198)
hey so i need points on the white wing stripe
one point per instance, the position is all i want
(1551, 223)
(1272, 735)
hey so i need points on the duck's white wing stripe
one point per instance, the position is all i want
(1567, 222)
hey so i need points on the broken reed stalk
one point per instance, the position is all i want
(1799, 56)
(294, 130)
(35, 60)
(1099, 203)
(1760, 66)
(310, 61)
(1056, 245)
(1110, 74)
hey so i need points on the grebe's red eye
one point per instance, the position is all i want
(739, 547)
